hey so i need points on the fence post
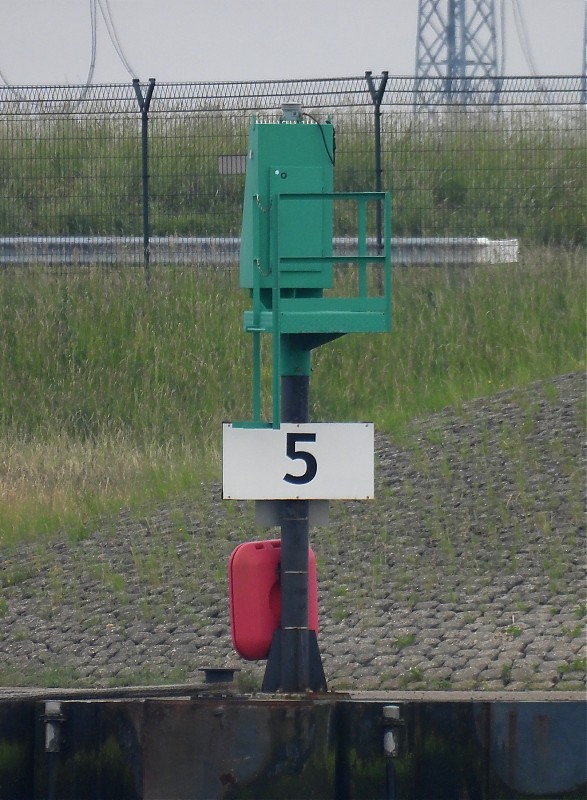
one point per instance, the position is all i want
(144, 103)
(377, 98)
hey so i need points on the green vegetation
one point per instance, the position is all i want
(113, 394)
(522, 174)
(459, 334)
(405, 640)
(506, 673)
(409, 678)
(578, 665)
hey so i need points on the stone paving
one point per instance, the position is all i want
(467, 572)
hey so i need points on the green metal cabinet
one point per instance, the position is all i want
(287, 158)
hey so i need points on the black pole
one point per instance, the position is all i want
(295, 533)
(294, 663)
(144, 104)
(377, 98)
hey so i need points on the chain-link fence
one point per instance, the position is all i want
(96, 174)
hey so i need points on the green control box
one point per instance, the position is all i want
(284, 160)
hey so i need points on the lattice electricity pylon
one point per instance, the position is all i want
(584, 87)
(456, 52)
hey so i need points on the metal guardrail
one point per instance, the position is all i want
(202, 250)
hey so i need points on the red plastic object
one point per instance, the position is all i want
(255, 596)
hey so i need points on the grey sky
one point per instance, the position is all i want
(49, 41)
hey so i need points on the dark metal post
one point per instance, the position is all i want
(377, 98)
(294, 663)
(144, 104)
(53, 719)
(392, 722)
(295, 533)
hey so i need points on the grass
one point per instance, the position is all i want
(113, 395)
(405, 640)
(49, 677)
(466, 174)
(459, 335)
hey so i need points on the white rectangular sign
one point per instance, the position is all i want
(309, 461)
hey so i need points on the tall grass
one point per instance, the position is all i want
(505, 175)
(95, 352)
(113, 394)
(459, 333)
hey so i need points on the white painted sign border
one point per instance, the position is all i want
(299, 461)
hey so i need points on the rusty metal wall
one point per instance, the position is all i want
(325, 746)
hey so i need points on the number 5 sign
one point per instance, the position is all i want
(310, 461)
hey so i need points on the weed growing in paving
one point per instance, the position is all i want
(404, 641)
(579, 665)
(54, 676)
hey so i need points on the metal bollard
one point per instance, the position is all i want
(53, 719)
(392, 723)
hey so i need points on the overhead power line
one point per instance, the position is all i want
(3, 79)
(522, 32)
(94, 41)
(111, 28)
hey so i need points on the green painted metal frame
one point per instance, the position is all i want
(317, 319)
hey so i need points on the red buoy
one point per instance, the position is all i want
(255, 596)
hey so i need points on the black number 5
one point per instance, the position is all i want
(303, 455)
